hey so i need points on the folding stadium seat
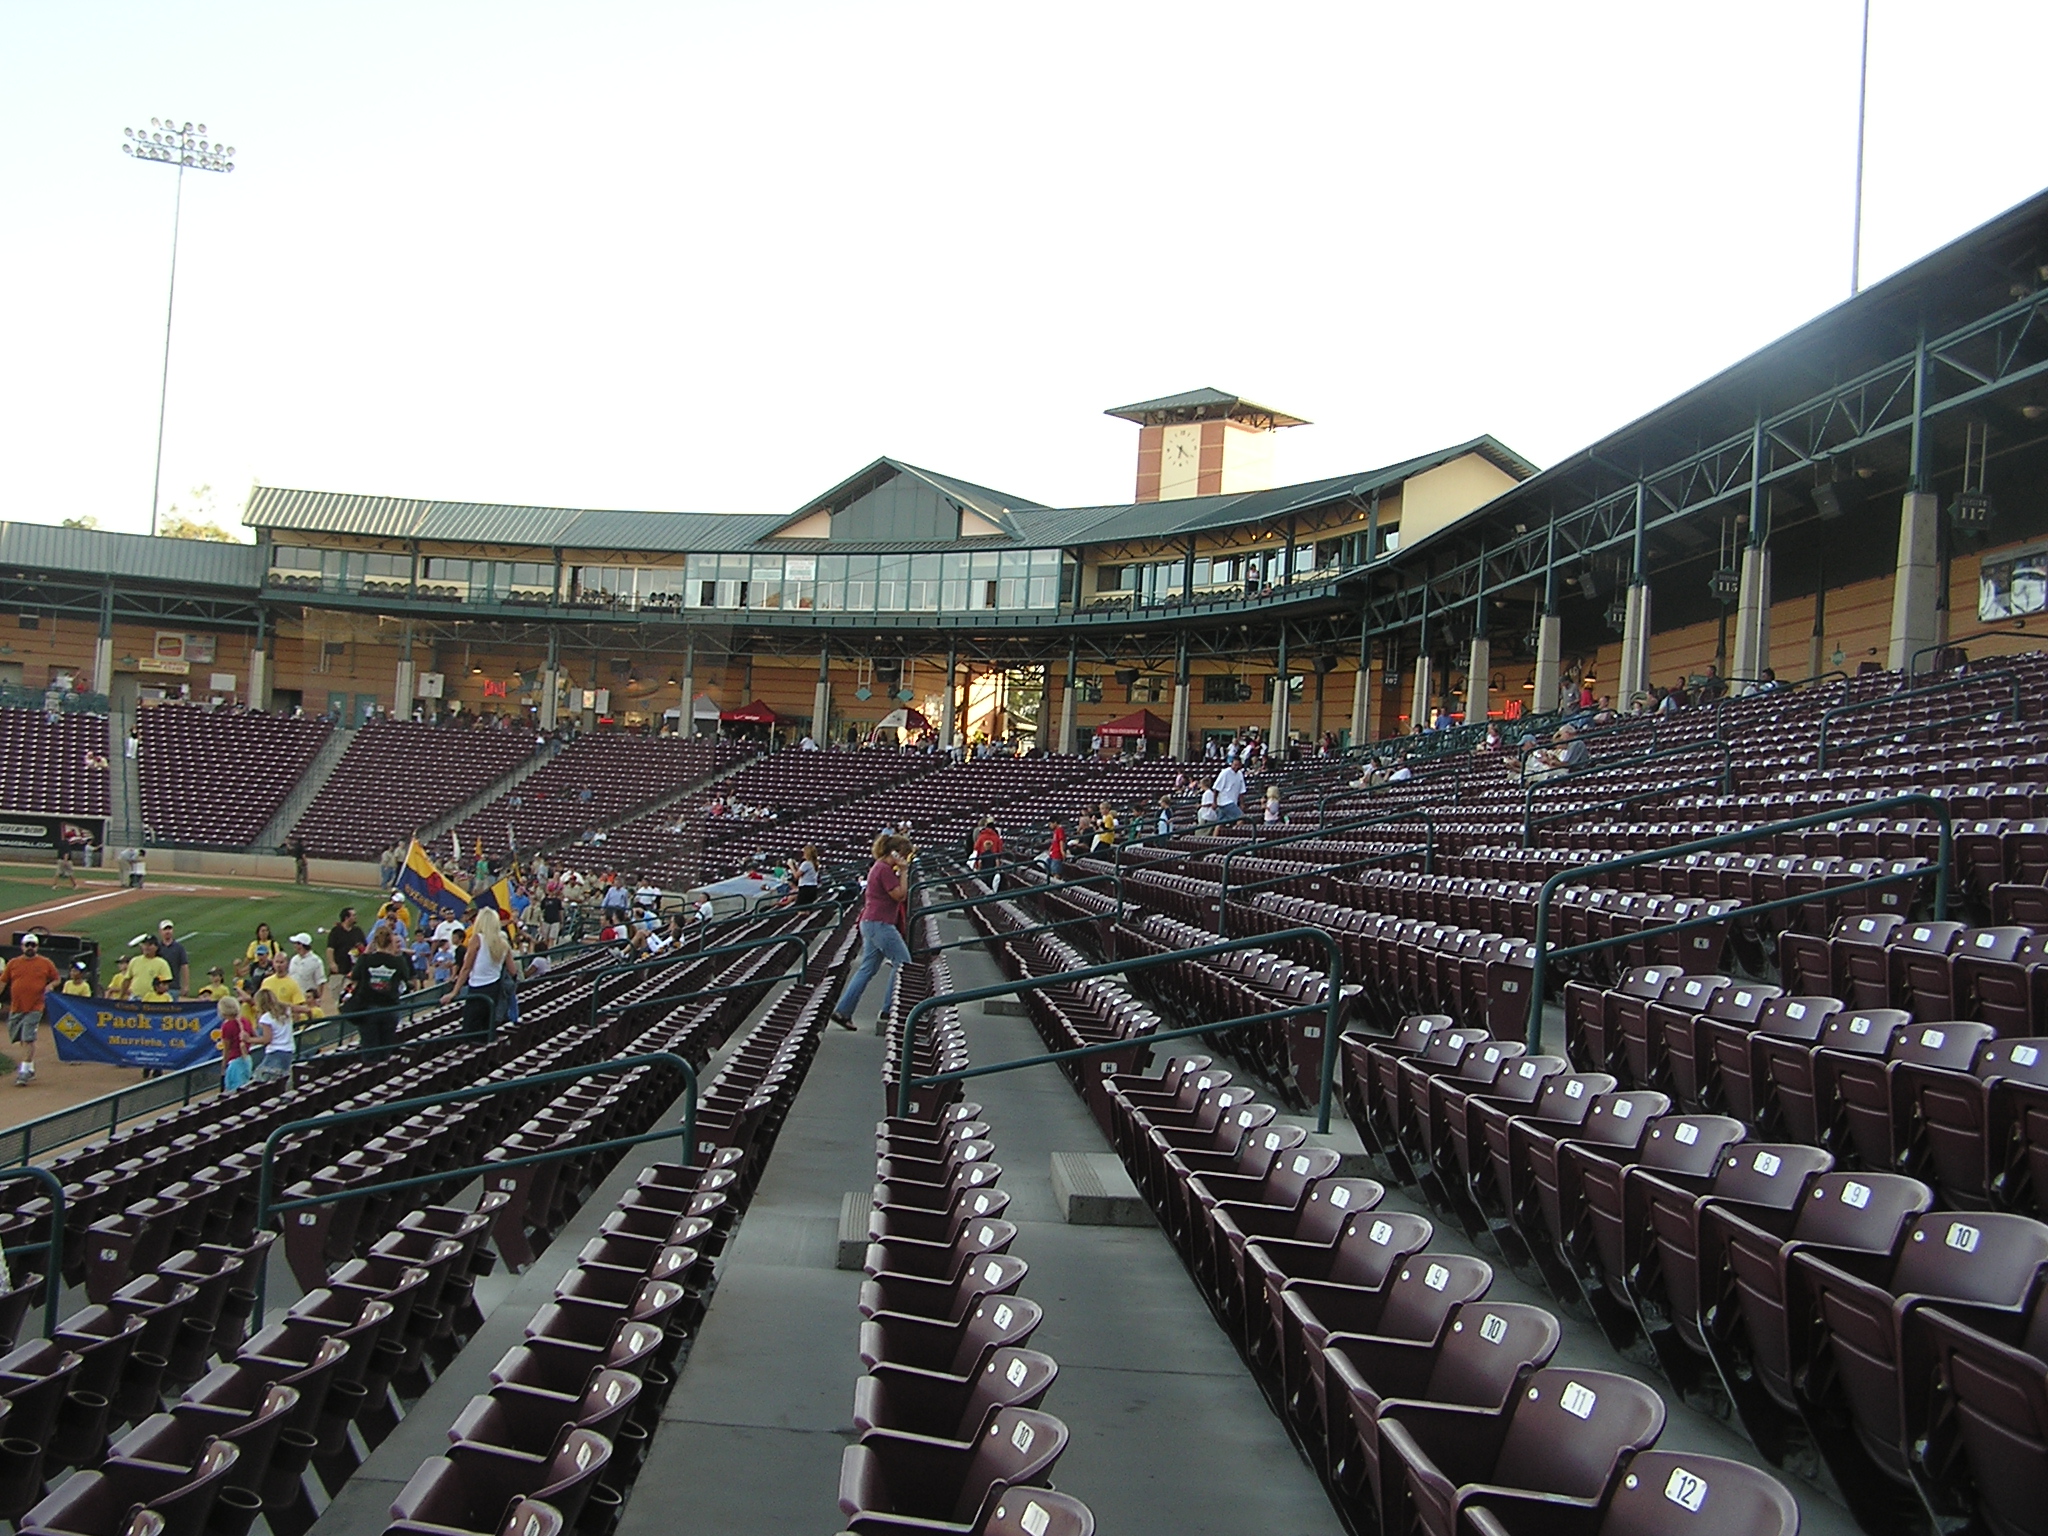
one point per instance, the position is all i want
(894, 1483)
(1038, 1512)
(238, 1405)
(466, 1489)
(942, 1264)
(1986, 1263)
(1237, 1288)
(1482, 1358)
(1414, 1303)
(1598, 1021)
(908, 1296)
(1563, 1441)
(1663, 1240)
(934, 1347)
(525, 1419)
(1759, 1333)
(1273, 1196)
(1670, 1493)
(956, 1409)
(1548, 1207)
(95, 1502)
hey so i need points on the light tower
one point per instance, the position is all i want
(185, 146)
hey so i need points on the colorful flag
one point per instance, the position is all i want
(428, 892)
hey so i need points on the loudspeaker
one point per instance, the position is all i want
(1125, 676)
(1827, 501)
(1589, 586)
(1326, 663)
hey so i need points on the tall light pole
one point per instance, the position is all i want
(185, 146)
(1862, 100)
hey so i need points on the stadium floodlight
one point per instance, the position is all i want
(185, 147)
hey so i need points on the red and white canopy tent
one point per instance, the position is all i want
(755, 713)
(1140, 722)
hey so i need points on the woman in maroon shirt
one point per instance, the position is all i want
(881, 913)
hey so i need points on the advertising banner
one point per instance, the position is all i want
(34, 829)
(123, 1034)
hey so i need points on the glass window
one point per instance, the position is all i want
(764, 582)
(1045, 578)
(860, 583)
(1224, 688)
(1109, 578)
(439, 569)
(1015, 590)
(1088, 690)
(953, 584)
(982, 582)
(831, 590)
(700, 582)
(1295, 685)
(733, 571)
(892, 583)
(1391, 539)
(1150, 689)
(924, 584)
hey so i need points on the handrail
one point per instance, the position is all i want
(1406, 851)
(2018, 632)
(1014, 893)
(764, 941)
(1427, 815)
(1608, 765)
(1331, 1007)
(1578, 874)
(1529, 827)
(1415, 780)
(51, 1247)
(987, 897)
(1883, 699)
(265, 1208)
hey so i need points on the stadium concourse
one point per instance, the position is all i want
(1617, 1107)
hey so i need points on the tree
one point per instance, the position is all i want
(174, 526)
(198, 522)
(80, 522)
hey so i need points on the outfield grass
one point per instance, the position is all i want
(216, 927)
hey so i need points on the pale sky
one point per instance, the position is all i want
(716, 257)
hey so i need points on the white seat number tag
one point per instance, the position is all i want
(1623, 1109)
(1381, 1234)
(1962, 1237)
(1768, 1164)
(1494, 1328)
(1578, 1401)
(1854, 1195)
(1340, 1197)
(1686, 1134)
(1688, 1490)
(1436, 1277)
(1017, 1372)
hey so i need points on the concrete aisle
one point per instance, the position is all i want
(1169, 1432)
(750, 1439)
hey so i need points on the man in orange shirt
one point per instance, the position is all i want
(23, 981)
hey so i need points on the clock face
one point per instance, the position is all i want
(1182, 452)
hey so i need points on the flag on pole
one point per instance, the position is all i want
(430, 894)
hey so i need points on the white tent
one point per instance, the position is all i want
(704, 707)
(903, 720)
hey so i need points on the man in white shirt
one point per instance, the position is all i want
(807, 745)
(1229, 788)
(308, 969)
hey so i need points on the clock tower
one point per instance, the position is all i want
(1203, 443)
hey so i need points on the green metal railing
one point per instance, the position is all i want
(1578, 875)
(402, 1108)
(51, 1247)
(1016, 893)
(766, 941)
(1661, 754)
(2018, 632)
(1885, 700)
(1331, 1007)
(1259, 846)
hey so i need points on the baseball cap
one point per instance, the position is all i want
(78, 965)
(167, 923)
(302, 938)
(30, 941)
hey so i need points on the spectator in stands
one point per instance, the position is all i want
(888, 889)
(307, 971)
(1105, 830)
(1567, 754)
(1402, 773)
(1166, 815)
(617, 902)
(345, 941)
(376, 985)
(1056, 851)
(487, 973)
(807, 876)
(261, 951)
(24, 980)
(1671, 700)
(1205, 813)
(1712, 686)
(1585, 696)
(1229, 788)
(173, 954)
(442, 968)
(988, 845)
(233, 1035)
(1769, 683)
(550, 933)
(1494, 742)
(807, 744)
(275, 1032)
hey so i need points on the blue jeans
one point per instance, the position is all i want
(879, 942)
(1229, 812)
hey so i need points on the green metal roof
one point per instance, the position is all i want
(1201, 405)
(39, 547)
(1026, 524)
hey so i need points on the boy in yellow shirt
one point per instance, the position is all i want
(78, 983)
(288, 995)
(149, 975)
(216, 986)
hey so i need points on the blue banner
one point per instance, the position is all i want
(124, 1034)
